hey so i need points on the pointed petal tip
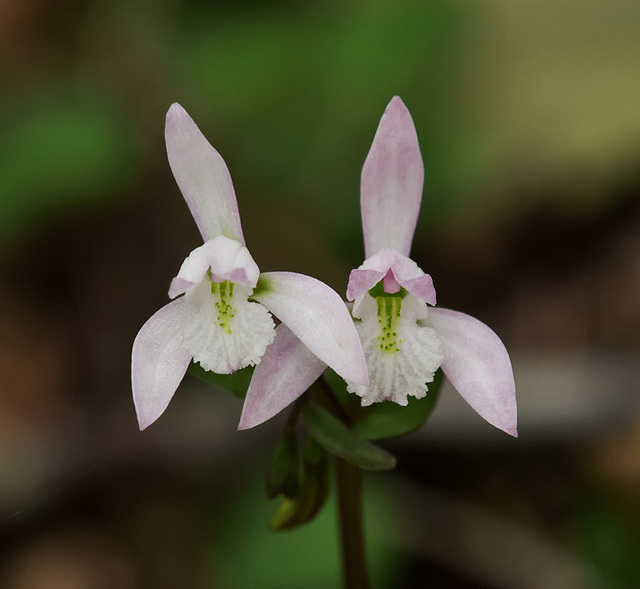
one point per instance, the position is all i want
(177, 121)
(502, 416)
(247, 423)
(175, 110)
(256, 412)
(513, 429)
(250, 416)
(145, 413)
(397, 103)
(144, 423)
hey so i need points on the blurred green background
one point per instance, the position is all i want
(528, 115)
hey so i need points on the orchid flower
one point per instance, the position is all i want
(221, 312)
(405, 341)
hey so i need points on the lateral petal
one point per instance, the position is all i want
(159, 361)
(391, 183)
(287, 369)
(478, 366)
(316, 314)
(372, 271)
(410, 276)
(227, 258)
(404, 272)
(202, 176)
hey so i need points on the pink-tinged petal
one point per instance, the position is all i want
(203, 177)
(361, 281)
(393, 269)
(372, 271)
(316, 314)
(391, 183)
(412, 278)
(478, 366)
(287, 369)
(158, 362)
(228, 260)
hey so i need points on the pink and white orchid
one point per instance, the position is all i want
(405, 341)
(223, 319)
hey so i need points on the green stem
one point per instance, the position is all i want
(354, 562)
(350, 505)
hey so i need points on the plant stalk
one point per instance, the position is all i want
(350, 516)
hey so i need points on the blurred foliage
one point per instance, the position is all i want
(606, 537)
(291, 95)
(60, 152)
(304, 557)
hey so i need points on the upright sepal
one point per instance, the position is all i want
(391, 183)
(203, 177)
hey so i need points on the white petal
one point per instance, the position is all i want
(203, 177)
(402, 356)
(225, 331)
(228, 260)
(316, 314)
(158, 362)
(391, 183)
(478, 366)
(287, 370)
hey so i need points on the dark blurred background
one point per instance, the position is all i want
(528, 114)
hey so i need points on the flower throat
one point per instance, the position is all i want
(223, 293)
(389, 306)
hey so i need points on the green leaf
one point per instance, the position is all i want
(236, 383)
(283, 476)
(386, 419)
(339, 440)
(313, 493)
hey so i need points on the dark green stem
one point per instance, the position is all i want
(350, 516)
(350, 506)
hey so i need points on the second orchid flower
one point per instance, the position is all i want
(406, 339)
